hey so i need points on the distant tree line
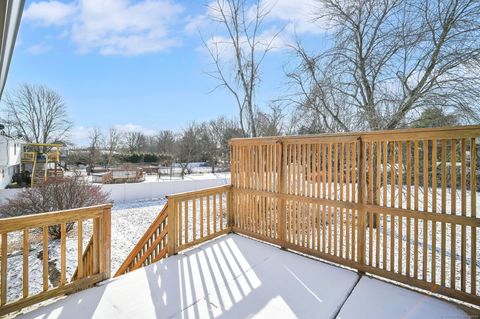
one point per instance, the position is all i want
(385, 65)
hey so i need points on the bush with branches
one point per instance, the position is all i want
(55, 194)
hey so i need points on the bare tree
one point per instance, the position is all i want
(188, 147)
(271, 123)
(390, 61)
(166, 142)
(135, 141)
(96, 140)
(113, 142)
(238, 56)
(37, 113)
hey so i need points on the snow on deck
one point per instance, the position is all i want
(236, 277)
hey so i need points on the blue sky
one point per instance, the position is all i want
(139, 65)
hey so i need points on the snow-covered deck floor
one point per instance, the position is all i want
(236, 277)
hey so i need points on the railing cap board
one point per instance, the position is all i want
(51, 218)
(398, 134)
(200, 193)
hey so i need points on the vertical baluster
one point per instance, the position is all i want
(335, 180)
(408, 181)
(79, 249)
(415, 204)
(370, 201)
(45, 258)
(463, 269)
(385, 176)
(63, 257)
(425, 209)
(202, 219)
(400, 204)
(444, 211)
(434, 210)
(473, 210)
(26, 249)
(453, 211)
(194, 218)
(354, 174)
(342, 167)
(208, 215)
(3, 279)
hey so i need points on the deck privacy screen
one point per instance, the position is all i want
(398, 204)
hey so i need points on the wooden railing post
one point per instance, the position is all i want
(230, 209)
(107, 222)
(282, 206)
(172, 229)
(361, 201)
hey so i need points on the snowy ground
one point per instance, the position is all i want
(236, 277)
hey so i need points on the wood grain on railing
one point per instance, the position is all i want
(29, 226)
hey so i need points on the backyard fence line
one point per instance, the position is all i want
(141, 191)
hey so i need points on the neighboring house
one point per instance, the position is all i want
(10, 158)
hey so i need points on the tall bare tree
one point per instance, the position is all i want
(37, 113)
(135, 141)
(389, 61)
(96, 140)
(113, 142)
(238, 56)
(166, 142)
(188, 148)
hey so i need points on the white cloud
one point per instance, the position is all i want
(285, 19)
(114, 27)
(39, 48)
(299, 15)
(48, 13)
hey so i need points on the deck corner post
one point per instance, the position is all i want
(282, 205)
(172, 246)
(107, 238)
(361, 201)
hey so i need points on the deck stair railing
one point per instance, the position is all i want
(186, 220)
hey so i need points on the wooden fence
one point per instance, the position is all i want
(398, 204)
(92, 266)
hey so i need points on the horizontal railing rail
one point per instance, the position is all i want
(34, 230)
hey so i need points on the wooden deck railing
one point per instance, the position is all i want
(91, 268)
(188, 219)
(398, 204)
(198, 216)
(151, 247)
